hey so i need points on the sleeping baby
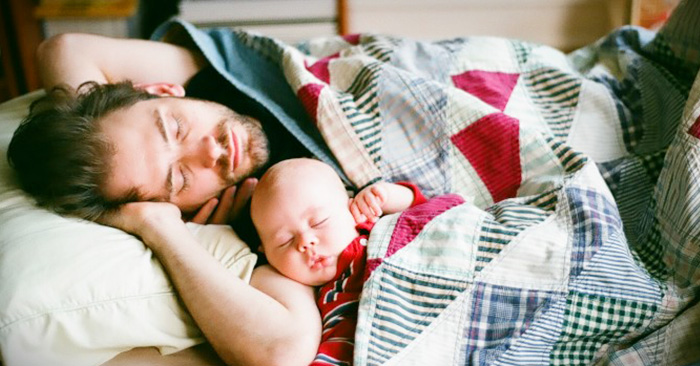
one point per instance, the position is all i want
(313, 233)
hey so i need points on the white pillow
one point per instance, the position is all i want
(76, 293)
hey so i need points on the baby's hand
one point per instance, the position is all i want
(368, 203)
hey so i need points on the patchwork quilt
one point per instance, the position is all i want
(576, 238)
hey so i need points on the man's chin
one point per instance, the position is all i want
(259, 162)
(259, 147)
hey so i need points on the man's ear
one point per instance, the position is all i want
(162, 89)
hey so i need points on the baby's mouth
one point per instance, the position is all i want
(319, 261)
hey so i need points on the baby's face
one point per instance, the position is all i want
(304, 222)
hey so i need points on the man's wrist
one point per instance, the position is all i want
(157, 234)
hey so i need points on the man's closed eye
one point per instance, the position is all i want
(180, 133)
(185, 177)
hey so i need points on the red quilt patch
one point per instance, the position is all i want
(309, 94)
(320, 68)
(493, 88)
(695, 128)
(492, 146)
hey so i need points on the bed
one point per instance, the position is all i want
(575, 240)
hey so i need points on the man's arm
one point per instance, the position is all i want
(75, 58)
(278, 326)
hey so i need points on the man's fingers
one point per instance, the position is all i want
(222, 212)
(242, 196)
(203, 214)
(231, 202)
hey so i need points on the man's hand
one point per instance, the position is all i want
(148, 220)
(226, 208)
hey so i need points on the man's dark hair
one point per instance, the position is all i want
(59, 153)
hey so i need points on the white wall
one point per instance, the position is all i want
(565, 24)
(288, 20)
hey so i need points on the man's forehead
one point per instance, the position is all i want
(135, 165)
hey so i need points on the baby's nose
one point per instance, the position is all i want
(306, 242)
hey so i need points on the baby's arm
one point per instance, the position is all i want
(380, 199)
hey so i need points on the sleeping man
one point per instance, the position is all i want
(138, 158)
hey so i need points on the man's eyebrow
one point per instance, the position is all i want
(160, 124)
(169, 183)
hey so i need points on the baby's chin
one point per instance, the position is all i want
(320, 279)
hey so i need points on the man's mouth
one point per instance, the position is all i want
(234, 151)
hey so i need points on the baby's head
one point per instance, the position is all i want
(301, 211)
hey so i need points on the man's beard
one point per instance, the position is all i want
(257, 149)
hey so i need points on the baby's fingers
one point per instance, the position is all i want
(364, 210)
(379, 192)
(371, 207)
(356, 213)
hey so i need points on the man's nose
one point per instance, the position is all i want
(306, 241)
(206, 152)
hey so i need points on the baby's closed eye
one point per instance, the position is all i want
(285, 242)
(320, 222)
